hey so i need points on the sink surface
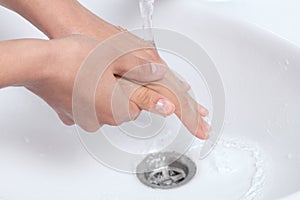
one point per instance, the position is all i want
(258, 156)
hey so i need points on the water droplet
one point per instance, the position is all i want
(26, 139)
(287, 62)
(290, 156)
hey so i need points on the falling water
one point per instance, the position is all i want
(258, 178)
(146, 9)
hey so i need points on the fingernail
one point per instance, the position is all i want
(187, 86)
(158, 69)
(165, 107)
(203, 111)
(206, 129)
(154, 68)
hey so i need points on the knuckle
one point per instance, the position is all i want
(143, 97)
(112, 122)
(184, 103)
(142, 67)
(68, 122)
(153, 54)
(65, 119)
(89, 128)
(162, 71)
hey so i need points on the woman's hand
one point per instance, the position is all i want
(63, 18)
(63, 64)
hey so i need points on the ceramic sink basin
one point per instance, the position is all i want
(257, 157)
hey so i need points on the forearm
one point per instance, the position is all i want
(22, 61)
(58, 18)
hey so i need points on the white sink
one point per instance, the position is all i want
(258, 156)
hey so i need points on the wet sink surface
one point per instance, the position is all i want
(257, 157)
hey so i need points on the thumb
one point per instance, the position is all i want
(139, 69)
(147, 99)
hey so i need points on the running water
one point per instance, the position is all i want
(228, 151)
(146, 9)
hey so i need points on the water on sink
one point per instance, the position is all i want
(235, 169)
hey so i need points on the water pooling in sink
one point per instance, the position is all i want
(244, 160)
(235, 169)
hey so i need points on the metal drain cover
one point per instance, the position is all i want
(166, 170)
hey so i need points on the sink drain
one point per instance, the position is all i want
(166, 170)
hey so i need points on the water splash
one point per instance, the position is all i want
(258, 179)
(146, 9)
(224, 162)
(287, 62)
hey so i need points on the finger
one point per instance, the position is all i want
(186, 86)
(147, 99)
(187, 109)
(206, 128)
(152, 101)
(134, 111)
(202, 110)
(119, 108)
(139, 69)
(140, 58)
(66, 120)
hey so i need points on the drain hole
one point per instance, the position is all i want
(166, 176)
(166, 170)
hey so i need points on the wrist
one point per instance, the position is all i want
(62, 18)
(65, 56)
(22, 62)
(81, 21)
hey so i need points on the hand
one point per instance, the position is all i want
(56, 88)
(72, 18)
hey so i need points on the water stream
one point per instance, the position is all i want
(228, 151)
(146, 9)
